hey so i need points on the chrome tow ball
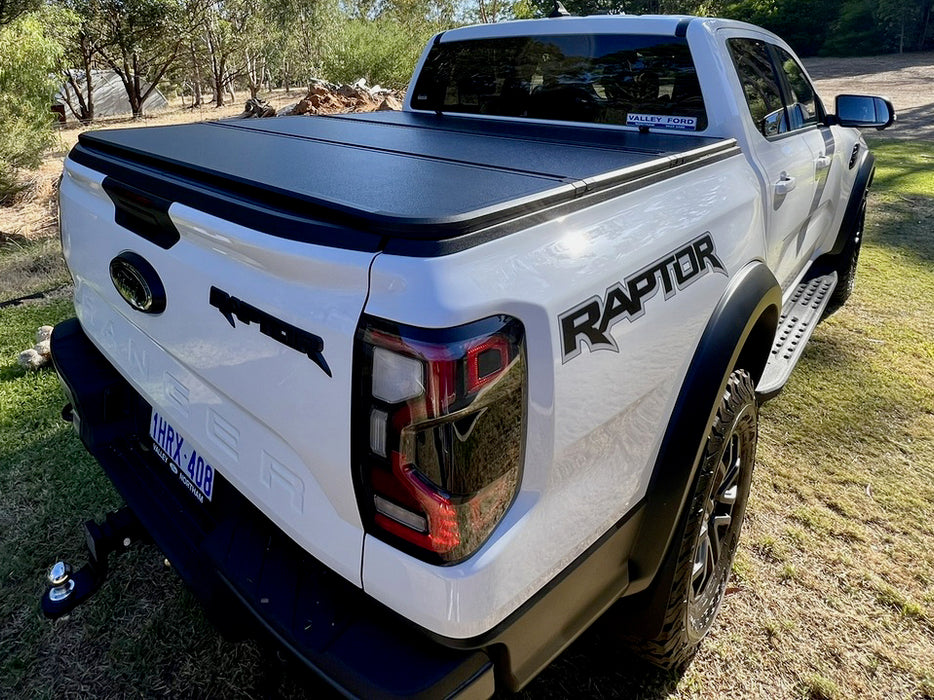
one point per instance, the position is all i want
(67, 587)
(61, 584)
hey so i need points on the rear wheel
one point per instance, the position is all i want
(711, 530)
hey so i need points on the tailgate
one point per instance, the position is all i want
(250, 360)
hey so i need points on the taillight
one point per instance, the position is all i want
(439, 432)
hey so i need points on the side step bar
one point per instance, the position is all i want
(800, 316)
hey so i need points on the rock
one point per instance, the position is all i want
(351, 91)
(256, 107)
(327, 98)
(44, 348)
(30, 359)
(389, 103)
(44, 333)
(329, 87)
(288, 110)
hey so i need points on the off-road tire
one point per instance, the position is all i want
(845, 265)
(727, 464)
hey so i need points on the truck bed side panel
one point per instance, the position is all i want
(596, 417)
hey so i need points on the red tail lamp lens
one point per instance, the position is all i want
(439, 432)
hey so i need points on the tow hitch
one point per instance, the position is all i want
(67, 588)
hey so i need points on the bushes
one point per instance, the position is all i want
(28, 55)
(383, 50)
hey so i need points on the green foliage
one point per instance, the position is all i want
(11, 9)
(804, 24)
(855, 31)
(140, 40)
(28, 55)
(383, 50)
(632, 7)
(879, 26)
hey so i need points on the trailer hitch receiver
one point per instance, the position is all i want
(68, 588)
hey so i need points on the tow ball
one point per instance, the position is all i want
(68, 588)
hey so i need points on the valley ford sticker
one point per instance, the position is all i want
(667, 122)
(590, 322)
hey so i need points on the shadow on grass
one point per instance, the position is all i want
(916, 121)
(901, 213)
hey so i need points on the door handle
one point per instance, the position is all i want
(784, 185)
(823, 162)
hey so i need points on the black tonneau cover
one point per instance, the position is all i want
(386, 176)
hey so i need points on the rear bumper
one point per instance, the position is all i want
(250, 577)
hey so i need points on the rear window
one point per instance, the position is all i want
(632, 80)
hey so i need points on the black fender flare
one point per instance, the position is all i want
(861, 185)
(739, 332)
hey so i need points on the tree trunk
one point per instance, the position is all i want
(218, 90)
(136, 102)
(88, 84)
(925, 19)
(87, 104)
(196, 78)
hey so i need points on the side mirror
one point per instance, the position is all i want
(863, 111)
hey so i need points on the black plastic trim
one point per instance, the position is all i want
(277, 216)
(681, 31)
(143, 213)
(753, 295)
(854, 205)
(545, 624)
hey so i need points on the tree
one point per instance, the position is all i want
(903, 23)
(222, 35)
(140, 40)
(81, 43)
(11, 9)
(28, 56)
(632, 7)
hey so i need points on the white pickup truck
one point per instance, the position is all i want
(422, 394)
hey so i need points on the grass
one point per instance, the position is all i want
(30, 267)
(833, 589)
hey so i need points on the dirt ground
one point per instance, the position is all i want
(906, 79)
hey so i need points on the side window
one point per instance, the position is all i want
(803, 106)
(760, 85)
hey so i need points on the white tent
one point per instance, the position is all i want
(109, 95)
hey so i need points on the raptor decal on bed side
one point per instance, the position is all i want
(591, 320)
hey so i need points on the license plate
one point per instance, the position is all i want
(173, 448)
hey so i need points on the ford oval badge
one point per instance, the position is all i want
(137, 282)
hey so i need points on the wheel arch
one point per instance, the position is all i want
(861, 185)
(739, 333)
